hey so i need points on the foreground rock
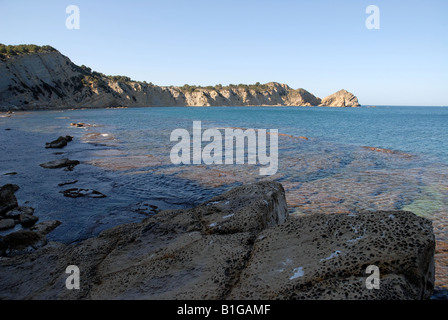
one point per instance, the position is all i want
(61, 163)
(239, 245)
(59, 142)
(326, 256)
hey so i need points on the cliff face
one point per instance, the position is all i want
(49, 79)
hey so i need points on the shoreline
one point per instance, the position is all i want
(226, 238)
(51, 108)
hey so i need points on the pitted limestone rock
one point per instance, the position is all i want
(326, 257)
(251, 207)
(236, 246)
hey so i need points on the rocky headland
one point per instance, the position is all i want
(33, 77)
(239, 245)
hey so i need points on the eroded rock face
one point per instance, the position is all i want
(238, 245)
(48, 80)
(326, 257)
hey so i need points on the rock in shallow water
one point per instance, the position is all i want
(59, 142)
(8, 200)
(77, 192)
(27, 220)
(45, 227)
(7, 224)
(16, 212)
(61, 163)
(239, 245)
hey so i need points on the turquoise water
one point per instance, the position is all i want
(418, 130)
(126, 153)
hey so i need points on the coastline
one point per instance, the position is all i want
(70, 108)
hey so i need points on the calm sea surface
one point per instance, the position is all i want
(125, 154)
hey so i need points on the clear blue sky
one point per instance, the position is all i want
(321, 45)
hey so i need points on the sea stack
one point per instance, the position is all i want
(342, 98)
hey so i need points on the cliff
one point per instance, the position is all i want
(43, 78)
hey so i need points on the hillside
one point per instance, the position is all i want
(33, 77)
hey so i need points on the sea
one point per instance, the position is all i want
(330, 160)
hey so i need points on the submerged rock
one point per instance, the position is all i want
(67, 182)
(78, 124)
(61, 163)
(239, 245)
(388, 151)
(16, 212)
(13, 173)
(59, 142)
(46, 227)
(77, 192)
(7, 224)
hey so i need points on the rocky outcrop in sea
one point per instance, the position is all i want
(239, 245)
(342, 98)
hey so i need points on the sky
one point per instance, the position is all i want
(321, 45)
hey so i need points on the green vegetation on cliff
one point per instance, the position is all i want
(90, 76)
(257, 87)
(65, 83)
(11, 50)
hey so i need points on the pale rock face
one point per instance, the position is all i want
(50, 80)
(342, 98)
